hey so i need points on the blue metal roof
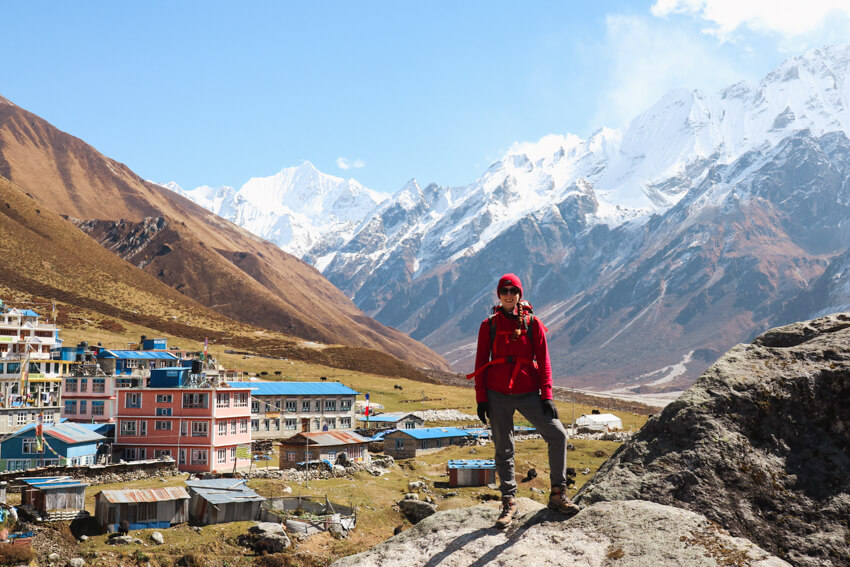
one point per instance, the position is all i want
(386, 418)
(433, 432)
(49, 482)
(472, 464)
(29, 313)
(295, 388)
(67, 431)
(136, 354)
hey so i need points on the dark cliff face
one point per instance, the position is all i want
(760, 444)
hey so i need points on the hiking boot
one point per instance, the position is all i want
(509, 509)
(560, 502)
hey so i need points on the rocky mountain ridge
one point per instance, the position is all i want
(647, 250)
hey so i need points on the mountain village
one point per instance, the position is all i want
(74, 416)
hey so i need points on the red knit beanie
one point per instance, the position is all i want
(509, 279)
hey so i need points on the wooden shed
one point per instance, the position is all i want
(142, 508)
(219, 500)
(471, 472)
(322, 445)
(53, 493)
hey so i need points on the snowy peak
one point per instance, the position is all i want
(294, 208)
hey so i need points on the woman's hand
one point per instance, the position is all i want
(483, 411)
(549, 409)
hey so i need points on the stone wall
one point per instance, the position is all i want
(100, 474)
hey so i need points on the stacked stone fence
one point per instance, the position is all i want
(98, 474)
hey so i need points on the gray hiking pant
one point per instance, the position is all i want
(501, 413)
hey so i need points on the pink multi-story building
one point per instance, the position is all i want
(201, 428)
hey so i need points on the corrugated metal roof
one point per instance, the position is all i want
(431, 432)
(52, 482)
(326, 438)
(144, 495)
(136, 354)
(67, 431)
(223, 490)
(296, 388)
(388, 417)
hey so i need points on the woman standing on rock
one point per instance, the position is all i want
(513, 373)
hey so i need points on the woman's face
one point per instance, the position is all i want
(508, 297)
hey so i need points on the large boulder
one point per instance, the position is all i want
(760, 445)
(625, 534)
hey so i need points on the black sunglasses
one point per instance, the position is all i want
(507, 290)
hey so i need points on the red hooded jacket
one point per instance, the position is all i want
(504, 377)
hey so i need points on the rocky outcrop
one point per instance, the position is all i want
(760, 445)
(625, 534)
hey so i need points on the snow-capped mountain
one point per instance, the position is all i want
(295, 208)
(647, 250)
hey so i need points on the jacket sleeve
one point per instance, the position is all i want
(544, 366)
(482, 357)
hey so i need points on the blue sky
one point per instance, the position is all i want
(213, 93)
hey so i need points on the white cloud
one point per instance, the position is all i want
(645, 58)
(345, 163)
(788, 18)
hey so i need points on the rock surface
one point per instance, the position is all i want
(760, 445)
(625, 534)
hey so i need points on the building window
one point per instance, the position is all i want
(162, 425)
(163, 398)
(98, 385)
(84, 384)
(160, 453)
(241, 400)
(424, 443)
(345, 405)
(318, 405)
(243, 426)
(199, 456)
(276, 425)
(344, 422)
(97, 407)
(200, 429)
(305, 405)
(266, 424)
(221, 456)
(70, 384)
(182, 456)
(330, 405)
(133, 400)
(233, 427)
(21, 419)
(128, 427)
(31, 446)
(255, 406)
(255, 425)
(291, 406)
(83, 408)
(291, 423)
(222, 428)
(222, 400)
(70, 407)
(184, 428)
(124, 383)
(290, 456)
(233, 453)
(163, 411)
(399, 444)
(195, 400)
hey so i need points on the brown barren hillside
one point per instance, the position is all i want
(44, 258)
(203, 256)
